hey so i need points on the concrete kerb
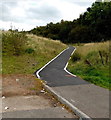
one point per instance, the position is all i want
(79, 113)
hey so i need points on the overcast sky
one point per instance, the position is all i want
(27, 14)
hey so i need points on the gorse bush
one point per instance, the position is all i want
(13, 43)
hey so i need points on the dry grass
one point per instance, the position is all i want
(89, 47)
(45, 46)
(39, 51)
(91, 62)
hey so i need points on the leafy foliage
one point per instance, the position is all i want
(92, 26)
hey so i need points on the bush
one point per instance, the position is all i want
(76, 57)
(29, 50)
(13, 43)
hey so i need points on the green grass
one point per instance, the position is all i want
(91, 62)
(29, 56)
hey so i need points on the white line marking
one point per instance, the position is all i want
(65, 68)
(60, 98)
(37, 73)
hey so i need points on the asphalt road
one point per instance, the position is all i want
(89, 98)
(55, 75)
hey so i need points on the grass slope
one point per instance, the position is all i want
(24, 53)
(91, 62)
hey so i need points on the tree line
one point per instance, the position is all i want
(94, 25)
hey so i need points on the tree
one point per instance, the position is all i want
(92, 26)
(79, 34)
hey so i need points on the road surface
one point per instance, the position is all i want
(89, 98)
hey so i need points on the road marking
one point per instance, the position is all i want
(37, 73)
(65, 68)
(60, 98)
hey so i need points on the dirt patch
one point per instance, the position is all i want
(19, 84)
(26, 92)
(25, 85)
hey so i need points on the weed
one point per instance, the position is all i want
(29, 50)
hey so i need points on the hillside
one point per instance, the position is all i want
(91, 63)
(24, 53)
(92, 26)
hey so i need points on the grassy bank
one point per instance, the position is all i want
(24, 54)
(91, 62)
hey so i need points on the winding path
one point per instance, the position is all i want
(87, 97)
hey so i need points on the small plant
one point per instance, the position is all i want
(76, 57)
(29, 50)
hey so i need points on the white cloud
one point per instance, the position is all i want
(18, 12)
(19, 26)
(28, 14)
(70, 11)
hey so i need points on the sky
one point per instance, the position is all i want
(27, 14)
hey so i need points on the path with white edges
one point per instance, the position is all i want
(88, 98)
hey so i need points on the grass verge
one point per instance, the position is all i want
(91, 63)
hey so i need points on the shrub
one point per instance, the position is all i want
(29, 50)
(13, 43)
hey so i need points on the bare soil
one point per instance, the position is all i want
(18, 84)
(22, 92)
(14, 85)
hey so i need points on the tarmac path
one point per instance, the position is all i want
(89, 98)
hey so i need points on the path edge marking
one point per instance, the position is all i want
(60, 98)
(65, 68)
(37, 72)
